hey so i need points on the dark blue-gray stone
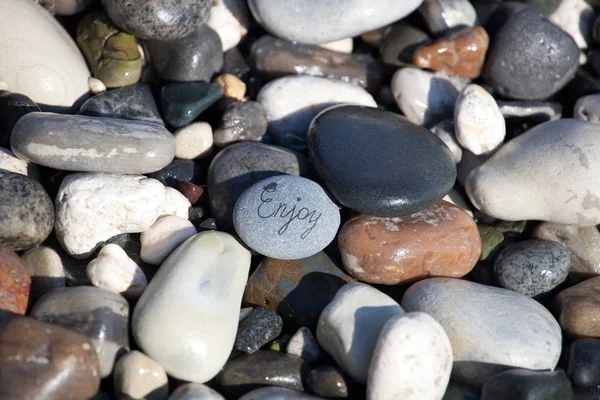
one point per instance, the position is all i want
(179, 171)
(522, 384)
(12, 107)
(182, 102)
(379, 163)
(260, 327)
(583, 363)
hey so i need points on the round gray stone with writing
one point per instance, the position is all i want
(286, 217)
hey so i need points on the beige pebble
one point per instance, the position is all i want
(193, 141)
(163, 237)
(96, 85)
(138, 376)
(233, 88)
(114, 271)
(46, 270)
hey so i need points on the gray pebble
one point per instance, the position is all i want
(241, 121)
(537, 111)
(260, 327)
(587, 108)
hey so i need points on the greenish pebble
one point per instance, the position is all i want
(491, 239)
(182, 102)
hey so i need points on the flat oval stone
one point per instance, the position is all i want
(195, 391)
(350, 325)
(45, 63)
(578, 309)
(582, 363)
(441, 240)
(182, 102)
(46, 269)
(91, 144)
(362, 155)
(101, 315)
(286, 217)
(26, 212)
(178, 296)
(549, 173)
(531, 385)
(242, 120)
(519, 333)
(15, 282)
(154, 19)
(12, 107)
(138, 376)
(39, 360)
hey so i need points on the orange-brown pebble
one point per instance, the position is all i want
(440, 241)
(461, 53)
(233, 88)
(14, 283)
(191, 192)
(578, 309)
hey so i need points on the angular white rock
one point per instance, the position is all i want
(549, 173)
(303, 344)
(10, 162)
(576, 17)
(412, 360)
(93, 207)
(341, 46)
(45, 63)
(478, 122)
(114, 271)
(175, 203)
(292, 102)
(349, 326)
(230, 19)
(163, 237)
(194, 301)
(193, 141)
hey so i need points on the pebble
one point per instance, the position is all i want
(273, 58)
(164, 236)
(26, 212)
(257, 329)
(195, 391)
(541, 111)
(191, 191)
(582, 363)
(582, 241)
(518, 332)
(528, 38)
(66, 7)
(311, 23)
(241, 121)
(576, 17)
(362, 155)
(46, 270)
(531, 385)
(100, 315)
(240, 166)
(327, 382)
(12, 107)
(179, 171)
(441, 240)
(96, 85)
(193, 141)
(114, 271)
(46, 64)
(234, 89)
(442, 16)
(298, 290)
(350, 325)
(532, 267)
(445, 131)
(175, 204)
(92, 208)
(192, 58)
(292, 102)
(9, 162)
(587, 108)
(304, 345)
(461, 53)
(345, 45)
(112, 55)
(412, 357)
(277, 393)
(231, 20)
(424, 97)
(178, 296)
(129, 102)
(491, 241)
(138, 376)
(553, 166)
(277, 230)
(182, 102)
(15, 283)
(158, 19)
(479, 124)
(400, 42)
(46, 361)
(454, 197)
(92, 144)
(262, 368)
(578, 309)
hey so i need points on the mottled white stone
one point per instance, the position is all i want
(139, 377)
(194, 301)
(412, 360)
(114, 271)
(175, 203)
(193, 141)
(163, 237)
(230, 19)
(341, 46)
(93, 207)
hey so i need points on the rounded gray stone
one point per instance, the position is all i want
(587, 108)
(532, 267)
(242, 120)
(286, 217)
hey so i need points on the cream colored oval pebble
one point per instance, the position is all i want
(96, 85)
(114, 271)
(139, 377)
(163, 237)
(479, 124)
(341, 46)
(45, 63)
(193, 141)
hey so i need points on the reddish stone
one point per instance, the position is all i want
(461, 53)
(440, 241)
(14, 283)
(192, 192)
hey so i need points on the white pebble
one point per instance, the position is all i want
(163, 237)
(96, 85)
(114, 271)
(575, 17)
(303, 344)
(341, 46)
(175, 203)
(412, 360)
(193, 141)
(230, 19)
(479, 124)
(137, 376)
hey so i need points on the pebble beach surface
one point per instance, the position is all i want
(299, 200)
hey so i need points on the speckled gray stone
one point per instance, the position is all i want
(286, 217)
(158, 19)
(26, 212)
(532, 267)
(260, 327)
(241, 121)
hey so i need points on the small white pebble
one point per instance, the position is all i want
(342, 46)
(175, 203)
(193, 141)
(114, 271)
(96, 85)
(303, 344)
(163, 237)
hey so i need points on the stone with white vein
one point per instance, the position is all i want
(114, 271)
(163, 237)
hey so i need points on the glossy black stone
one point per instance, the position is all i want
(12, 107)
(583, 363)
(179, 170)
(260, 327)
(520, 384)
(182, 102)
(379, 163)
